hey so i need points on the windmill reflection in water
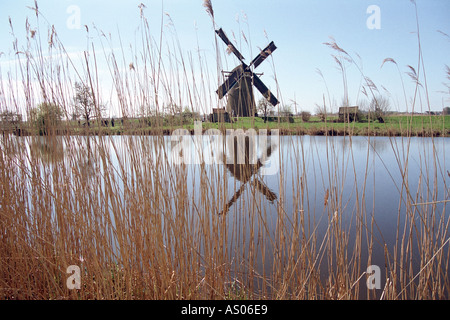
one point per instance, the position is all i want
(243, 167)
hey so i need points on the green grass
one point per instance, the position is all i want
(394, 125)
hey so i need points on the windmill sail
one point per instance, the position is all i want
(267, 51)
(230, 45)
(231, 81)
(264, 90)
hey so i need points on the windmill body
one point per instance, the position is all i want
(241, 101)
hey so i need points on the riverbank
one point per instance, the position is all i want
(416, 126)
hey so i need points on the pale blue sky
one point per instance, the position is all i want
(298, 28)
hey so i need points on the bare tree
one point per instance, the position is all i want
(286, 111)
(363, 105)
(264, 107)
(378, 107)
(10, 119)
(321, 112)
(85, 105)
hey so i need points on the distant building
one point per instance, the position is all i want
(348, 114)
(433, 113)
(219, 115)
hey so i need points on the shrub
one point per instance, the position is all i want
(48, 117)
(306, 115)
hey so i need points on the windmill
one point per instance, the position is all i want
(240, 81)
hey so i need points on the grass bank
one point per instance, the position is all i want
(394, 125)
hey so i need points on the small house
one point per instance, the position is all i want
(219, 115)
(348, 114)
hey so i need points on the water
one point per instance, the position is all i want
(290, 189)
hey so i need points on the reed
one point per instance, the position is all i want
(140, 227)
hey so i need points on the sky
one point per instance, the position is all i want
(302, 72)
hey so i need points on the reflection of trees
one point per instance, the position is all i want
(49, 149)
(86, 163)
(245, 170)
(359, 143)
(377, 144)
(12, 145)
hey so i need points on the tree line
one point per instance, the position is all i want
(47, 116)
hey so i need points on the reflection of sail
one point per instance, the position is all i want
(245, 171)
(264, 190)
